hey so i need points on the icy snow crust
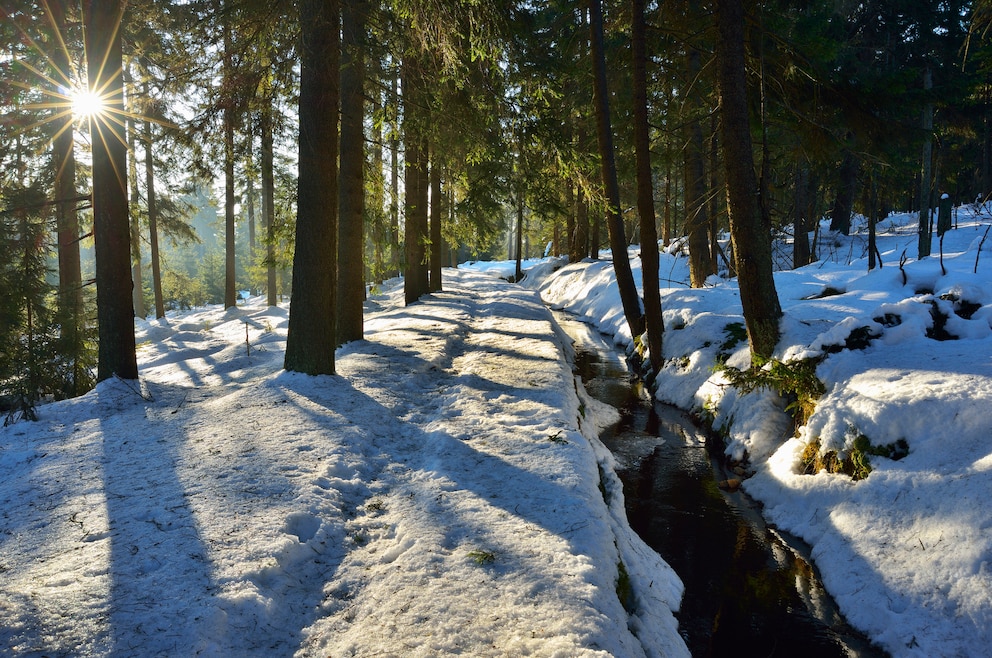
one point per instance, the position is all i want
(906, 552)
(439, 496)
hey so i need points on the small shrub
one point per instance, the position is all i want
(794, 380)
(481, 557)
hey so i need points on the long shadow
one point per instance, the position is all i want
(454, 459)
(160, 574)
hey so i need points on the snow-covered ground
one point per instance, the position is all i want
(444, 494)
(906, 552)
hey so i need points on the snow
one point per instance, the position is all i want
(905, 552)
(441, 495)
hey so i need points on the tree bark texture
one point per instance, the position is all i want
(614, 220)
(351, 219)
(66, 219)
(437, 243)
(654, 323)
(926, 171)
(268, 193)
(840, 217)
(310, 342)
(416, 274)
(153, 222)
(697, 221)
(749, 231)
(115, 314)
(230, 291)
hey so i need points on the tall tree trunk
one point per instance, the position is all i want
(153, 221)
(697, 221)
(230, 280)
(115, 314)
(714, 203)
(394, 179)
(138, 285)
(351, 220)
(310, 340)
(71, 320)
(416, 277)
(268, 194)
(437, 244)
(654, 324)
(518, 247)
(749, 231)
(840, 217)
(250, 209)
(926, 177)
(618, 243)
(569, 218)
(580, 242)
(800, 220)
(378, 193)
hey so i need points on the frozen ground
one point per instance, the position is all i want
(440, 496)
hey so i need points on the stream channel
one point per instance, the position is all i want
(750, 590)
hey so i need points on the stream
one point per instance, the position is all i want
(749, 589)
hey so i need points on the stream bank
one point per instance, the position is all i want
(749, 589)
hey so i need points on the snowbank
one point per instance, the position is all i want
(906, 552)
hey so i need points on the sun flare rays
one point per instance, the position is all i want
(57, 91)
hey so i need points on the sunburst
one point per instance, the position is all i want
(71, 101)
(85, 104)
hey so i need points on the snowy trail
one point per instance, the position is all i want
(439, 496)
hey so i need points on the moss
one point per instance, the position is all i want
(856, 464)
(624, 587)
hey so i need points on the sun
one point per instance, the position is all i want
(85, 104)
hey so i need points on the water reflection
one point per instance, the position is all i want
(747, 592)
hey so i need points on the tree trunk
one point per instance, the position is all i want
(115, 314)
(437, 244)
(351, 219)
(519, 242)
(394, 181)
(230, 292)
(926, 177)
(840, 218)
(250, 209)
(749, 231)
(618, 244)
(71, 320)
(378, 193)
(268, 194)
(137, 284)
(800, 221)
(654, 324)
(697, 222)
(153, 221)
(310, 340)
(416, 278)
(569, 218)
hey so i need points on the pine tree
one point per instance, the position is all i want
(115, 316)
(311, 337)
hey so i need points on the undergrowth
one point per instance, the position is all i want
(796, 381)
(856, 463)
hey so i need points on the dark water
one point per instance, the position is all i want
(748, 591)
